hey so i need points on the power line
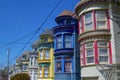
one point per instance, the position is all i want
(37, 30)
(15, 40)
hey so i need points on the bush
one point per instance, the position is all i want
(20, 76)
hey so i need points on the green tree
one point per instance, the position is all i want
(20, 76)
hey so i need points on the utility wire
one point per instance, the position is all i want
(7, 44)
(36, 31)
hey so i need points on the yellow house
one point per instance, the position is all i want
(45, 56)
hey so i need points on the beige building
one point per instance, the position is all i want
(99, 39)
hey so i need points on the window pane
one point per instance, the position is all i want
(103, 51)
(59, 66)
(46, 71)
(40, 71)
(47, 54)
(90, 59)
(41, 54)
(68, 41)
(31, 61)
(101, 20)
(102, 43)
(103, 58)
(88, 17)
(89, 26)
(45, 39)
(88, 21)
(101, 24)
(89, 52)
(68, 67)
(59, 42)
(89, 44)
(101, 15)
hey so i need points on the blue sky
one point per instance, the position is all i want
(22, 17)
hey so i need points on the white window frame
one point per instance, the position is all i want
(101, 20)
(91, 47)
(104, 55)
(88, 22)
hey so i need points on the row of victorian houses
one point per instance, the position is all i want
(84, 45)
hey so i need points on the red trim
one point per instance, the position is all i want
(84, 58)
(108, 19)
(79, 27)
(94, 19)
(96, 52)
(110, 52)
(82, 23)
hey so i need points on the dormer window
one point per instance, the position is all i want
(45, 39)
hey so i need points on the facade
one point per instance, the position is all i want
(25, 62)
(33, 65)
(66, 48)
(33, 62)
(45, 56)
(99, 39)
(18, 65)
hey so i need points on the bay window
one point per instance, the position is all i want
(44, 54)
(93, 20)
(63, 64)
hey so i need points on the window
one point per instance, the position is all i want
(88, 21)
(45, 39)
(35, 61)
(46, 71)
(90, 56)
(68, 67)
(47, 54)
(59, 66)
(25, 67)
(40, 71)
(41, 54)
(63, 64)
(103, 51)
(89, 52)
(59, 42)
(82, 57)
(68, 41)
(101, 19)
(80, 25)
(31, 61)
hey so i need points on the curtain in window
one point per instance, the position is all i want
(47, 54)
(68, 67)
(59, 42)
(101, 19)
(68, 41)
(88, 21)
(46, 71)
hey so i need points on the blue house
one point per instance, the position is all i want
(66, 47)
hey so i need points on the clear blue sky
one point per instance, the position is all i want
(21, 17)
